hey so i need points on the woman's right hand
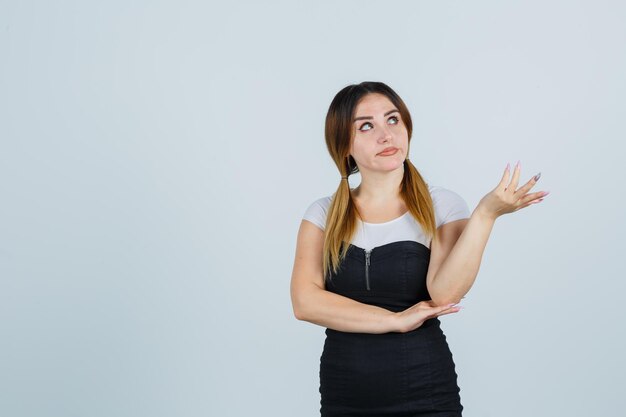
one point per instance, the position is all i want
(414, 316)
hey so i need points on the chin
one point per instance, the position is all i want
(392, 166)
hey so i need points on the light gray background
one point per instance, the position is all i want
(156, 159)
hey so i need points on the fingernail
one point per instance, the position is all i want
(546, 193)
(517, 165)
(537, 177)
(508, 166)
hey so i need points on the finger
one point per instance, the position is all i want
(436, 310)
(530, 204)
(526, 205)
(533, 196)
(515, 180)
(505, 177)
(449, 311)
(447, 308)
(526, 187)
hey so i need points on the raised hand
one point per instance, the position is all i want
(506, 198)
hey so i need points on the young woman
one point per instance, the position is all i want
(378, 264)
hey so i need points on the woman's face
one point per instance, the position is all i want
(378, 126)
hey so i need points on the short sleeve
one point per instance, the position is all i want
(449, 206)
(316, 212)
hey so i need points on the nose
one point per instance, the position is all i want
(385, 134)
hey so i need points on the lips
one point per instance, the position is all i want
(388, 151)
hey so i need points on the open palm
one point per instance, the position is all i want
(507, 198)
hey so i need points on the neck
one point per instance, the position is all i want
(379, 186)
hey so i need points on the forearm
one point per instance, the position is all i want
(344, 314)
(458, 271)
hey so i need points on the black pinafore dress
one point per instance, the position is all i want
(390, 374)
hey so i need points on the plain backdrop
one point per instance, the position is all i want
(156, 159)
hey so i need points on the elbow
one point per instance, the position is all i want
(442, 298)
(444, 301)
(301, 314)
(303, 302)
(451, 301)
(297, 313)
(298, 309)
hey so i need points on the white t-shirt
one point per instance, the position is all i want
(448, 206)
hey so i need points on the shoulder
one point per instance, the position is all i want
(442, 194)
(448, 205)
(317, 210)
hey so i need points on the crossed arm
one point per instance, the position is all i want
(453, 267)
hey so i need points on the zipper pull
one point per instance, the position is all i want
(367, 268)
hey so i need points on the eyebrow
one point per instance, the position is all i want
(370, 117)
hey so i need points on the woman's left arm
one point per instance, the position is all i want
(457, 252)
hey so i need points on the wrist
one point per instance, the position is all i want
(394, 323)
(484, 214)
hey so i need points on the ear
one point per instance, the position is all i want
(349, 164)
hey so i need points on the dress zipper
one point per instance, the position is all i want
(367, 268)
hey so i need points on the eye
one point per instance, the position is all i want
(395, 118)
(363, 125)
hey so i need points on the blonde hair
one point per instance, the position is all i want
(341, 220)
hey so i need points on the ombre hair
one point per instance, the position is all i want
(341, 220)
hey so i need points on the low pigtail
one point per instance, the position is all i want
(340, 223)
(416, 196)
